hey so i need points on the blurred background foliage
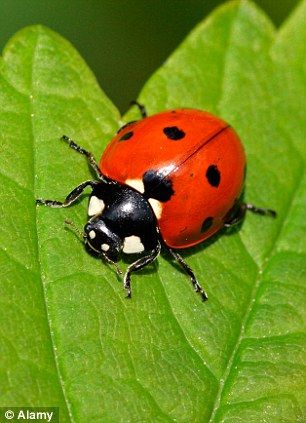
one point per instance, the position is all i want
(123, 41)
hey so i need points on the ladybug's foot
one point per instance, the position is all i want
(127, 285)
(137, 265)
(49, 203)
(187, 269)
(201, 291)
(90, 158)
(71, 198)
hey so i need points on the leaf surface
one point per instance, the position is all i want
(164, 356)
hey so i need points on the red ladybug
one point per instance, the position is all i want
(170, 180)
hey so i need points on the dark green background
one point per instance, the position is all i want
(122, 41)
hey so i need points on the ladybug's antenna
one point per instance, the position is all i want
(109, 261)
(76, 229)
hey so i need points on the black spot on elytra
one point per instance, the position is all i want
(126, 136)
(173, 133)
(157, 186)
(213, 176)
(207, 224)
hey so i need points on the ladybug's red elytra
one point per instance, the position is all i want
(170, 180)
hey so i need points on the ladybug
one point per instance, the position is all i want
(170, 180)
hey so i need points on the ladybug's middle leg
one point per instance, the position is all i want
(90, 158)
(137, 265)
(71, 198)
(197, 287)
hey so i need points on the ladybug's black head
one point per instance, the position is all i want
(100, 239)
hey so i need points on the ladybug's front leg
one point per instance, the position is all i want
(197, 287)
(71, 198)
(90, 158)
(137, 265)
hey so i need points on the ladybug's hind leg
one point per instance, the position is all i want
(197, 287)
(137, 265)
(237, 215)
(71, 198)
(259, 210)
(90, 158)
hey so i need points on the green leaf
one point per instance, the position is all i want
(68, 337)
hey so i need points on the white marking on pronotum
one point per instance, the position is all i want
(157, 207)
(132, 244)
(104, 247)
(96, 206)
(136, 183)
(92, 234)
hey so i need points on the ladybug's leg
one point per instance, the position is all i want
(197, 287)
(137, 265)
(236, 217)
(91, 160)
(141, 108)
(70, 199)
(239, 214)
(259, 210)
